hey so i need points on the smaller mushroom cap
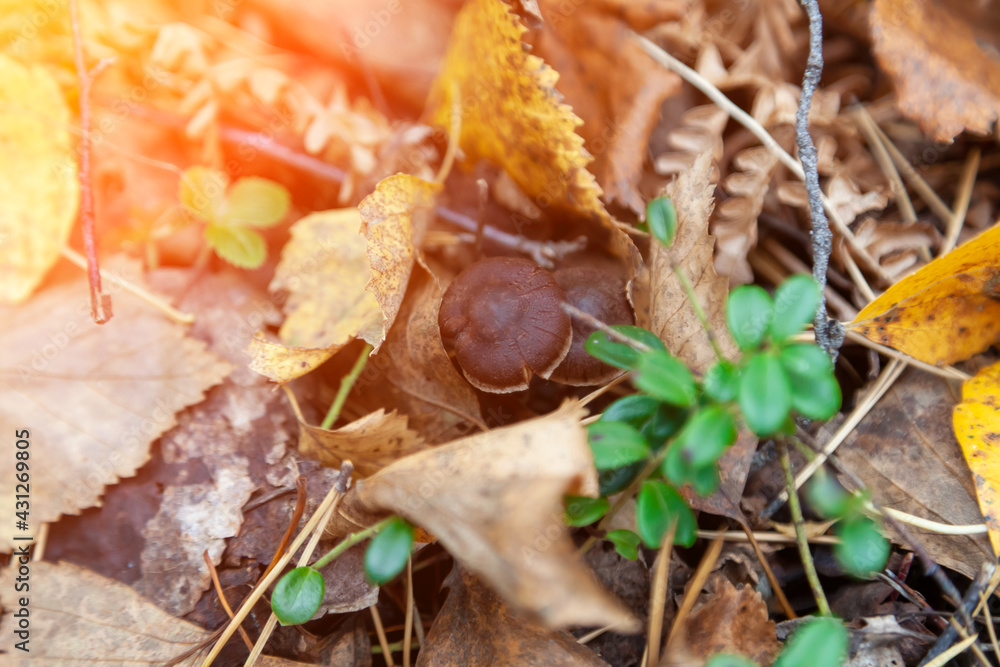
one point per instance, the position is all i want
(504, 317)
(602, 295)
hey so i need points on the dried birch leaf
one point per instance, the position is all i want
(327, 249)
(78, 617)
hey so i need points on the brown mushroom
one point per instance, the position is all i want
(602, 295)
(505, 320)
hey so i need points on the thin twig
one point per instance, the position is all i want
(345, 387)
(965, 605)
(984, 605)
(380, 633)
(658, 596)
(866, 124)
(705, 567)
(828, 335)
(293, 523)
(408, 622)
(137, 290)
(768, 572)
(222, 597)
(960, 207)
(800, 531)
(947, 372)
(100, 303)
(594, 322)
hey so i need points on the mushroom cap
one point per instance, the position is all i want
(505, 319)
(602, 295)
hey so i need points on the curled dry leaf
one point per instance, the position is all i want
(977, 427)
(370, 443)
(730, 620)
(104, 393)
(734, 222)
(905, 452)
(326, 249)
(611, 83)
(81, 617)
(946, 79)
(947, 311)
(896, 246)
(38, 172)
(700, 130)
(672, 317)
(494, 500)
(283, 364)
(393, 220)
(501, 636)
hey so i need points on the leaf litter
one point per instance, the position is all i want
(565, 129)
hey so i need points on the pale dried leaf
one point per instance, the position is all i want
(80, 617)
(100, 394)
(494, 500)
(283, 364)
(370, 443)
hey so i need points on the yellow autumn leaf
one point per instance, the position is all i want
(511, 113)
(283, 364)
(38, 177)
(947, 311)
(327, 250)
(976, 421)
(393, 220)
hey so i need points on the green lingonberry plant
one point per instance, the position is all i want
(299, 593)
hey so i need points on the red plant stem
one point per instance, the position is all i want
(100, 303)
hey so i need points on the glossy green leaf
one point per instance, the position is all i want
(202, 191)
(255, 202)
(678, 470)
(618, 354)
(795, 303)
(239, 246)
(819, 643)
(298, 595)
(635, 410)
(705, 480)
(662, 218)
(815, 391)
(721, 381)
(826, 496)
(614, 480)
(666, 377)
(665, 423)
(626, 543)
(748, 315)
(583, 511)
(657, 506)
(616, 444)
(765, 396)
(708, 434)
(862, 549)
(388, 551)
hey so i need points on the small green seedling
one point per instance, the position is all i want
(233, 215)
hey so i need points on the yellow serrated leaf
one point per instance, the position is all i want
(511, 113)
(38, 177)
(976, 421)
(947, 311)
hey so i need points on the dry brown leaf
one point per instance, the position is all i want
(476, 628)
(80, 617)
(730, 620)
(103, 393)
(896, 246)
(611, 83)
(735, 220)
(700, 130)
(906, 453)
(494, 500)
(672, 317)
(946, 80)
(38, 181)
(393, 220)
(327, 249)
(283, 364)
(435, 395)
(370, 443)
